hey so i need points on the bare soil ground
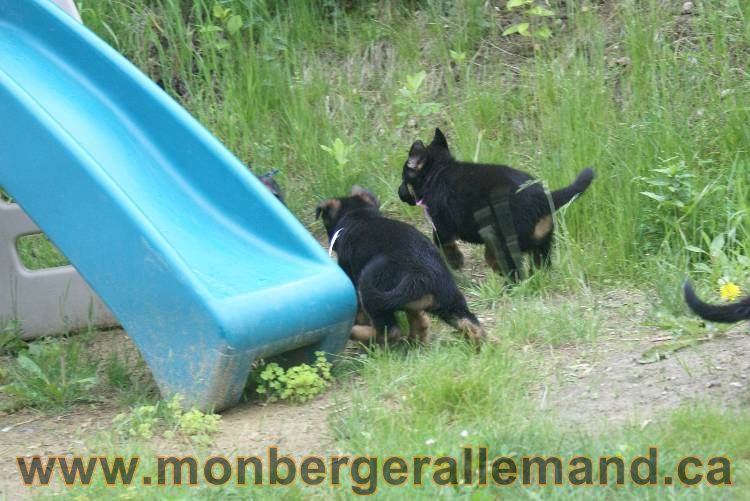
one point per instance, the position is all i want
(607, 383)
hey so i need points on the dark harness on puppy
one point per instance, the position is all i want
(498, 232)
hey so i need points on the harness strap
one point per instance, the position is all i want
(498, 231)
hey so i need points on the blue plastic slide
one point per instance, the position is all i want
(204, 268)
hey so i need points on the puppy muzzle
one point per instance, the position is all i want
(404, 193)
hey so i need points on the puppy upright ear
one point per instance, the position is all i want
(368, 197)
(439, 139)
(417, 156)
(328, 209)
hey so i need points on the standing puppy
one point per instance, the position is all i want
(452, 192)
(393, 267)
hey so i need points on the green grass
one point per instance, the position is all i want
(51, 375)
(299, 77)
(435, 402)
(655, 101)
(37, 252)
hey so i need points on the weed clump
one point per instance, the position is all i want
(50, 375)
(168, 419)
(297, 384)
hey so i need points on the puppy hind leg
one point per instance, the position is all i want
(460, 318)
(491, 259)
(541, 254)
(510, 271)
(419, 324)
(385, 325)
(542, 239)
(470, 327)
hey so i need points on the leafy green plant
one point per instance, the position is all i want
(411, 102)
(297, 384)
(671, 188)
(458, 57)
(343, 173)
(339, 151)
(51, 374)
(728, 261)
(140, 422)
(534, 15)
(167, 418)
(224, 22)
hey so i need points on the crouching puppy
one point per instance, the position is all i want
(393, 267)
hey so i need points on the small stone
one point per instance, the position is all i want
(713, 385)
(687, 8)
(735, 384)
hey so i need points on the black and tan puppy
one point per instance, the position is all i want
(393, 267)
(452, 191)
(725, 313)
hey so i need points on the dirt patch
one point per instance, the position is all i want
(607, 383)
(248, 429)
(29, 433)
(298, 430)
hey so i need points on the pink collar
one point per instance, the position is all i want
(420, 203)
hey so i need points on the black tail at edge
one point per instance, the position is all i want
(726, 313)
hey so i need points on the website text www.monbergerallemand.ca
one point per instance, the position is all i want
(474, 467)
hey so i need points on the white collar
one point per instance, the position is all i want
(333, 241)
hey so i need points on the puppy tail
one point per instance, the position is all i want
(564, 195)
(375, 298)
(726, 313)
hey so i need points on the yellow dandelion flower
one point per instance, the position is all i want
(729, 291)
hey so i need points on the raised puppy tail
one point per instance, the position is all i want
(726, 313)
(564, 195)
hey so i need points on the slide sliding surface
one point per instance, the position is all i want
(204, 268)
